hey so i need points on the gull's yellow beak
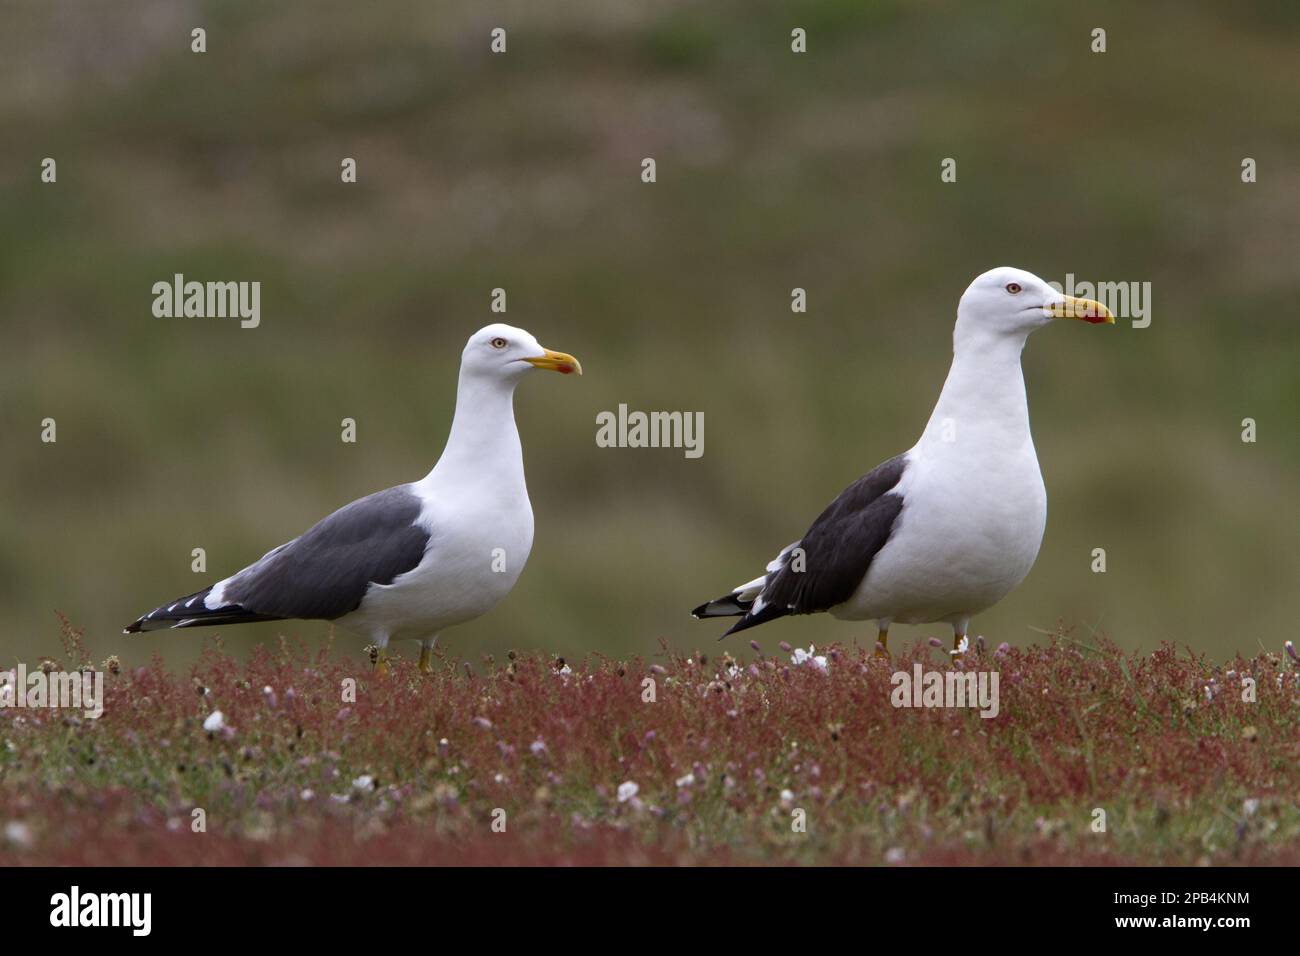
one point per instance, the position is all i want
(561, 362)
(1089, 310)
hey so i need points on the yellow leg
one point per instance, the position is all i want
(882, 643)
(379, 660)
(426, 659)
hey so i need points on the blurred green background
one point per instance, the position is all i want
(775, 170)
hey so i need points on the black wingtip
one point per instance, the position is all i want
(769, 612)
(194, 616)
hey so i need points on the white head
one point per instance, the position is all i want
(1010, 303)
(505, 353)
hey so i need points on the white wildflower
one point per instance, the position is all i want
(216, 722)
(18, 833)
(809, 656)
(626, 791)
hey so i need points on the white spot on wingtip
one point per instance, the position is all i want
(216, 596)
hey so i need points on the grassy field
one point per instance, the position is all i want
(580, 767)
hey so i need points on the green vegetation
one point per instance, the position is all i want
(680, 759)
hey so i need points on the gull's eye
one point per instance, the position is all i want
(1013, 287)
(500, 343)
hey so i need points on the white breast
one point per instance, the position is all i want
(968, 534)
(974, 505)
(479, 544)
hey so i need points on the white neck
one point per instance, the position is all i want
(986, 377)
(484, 442)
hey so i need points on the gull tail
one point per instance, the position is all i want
(729, 605)
(747, 602)
(190, 611)
(736, 604)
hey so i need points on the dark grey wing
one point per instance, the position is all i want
(832, 558)
(326, 572)
(321, 574)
